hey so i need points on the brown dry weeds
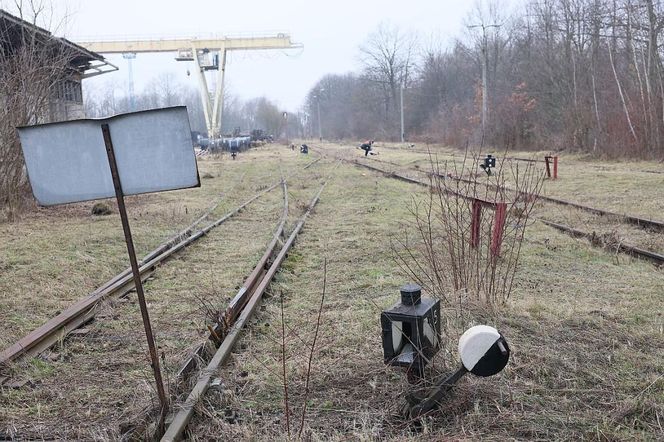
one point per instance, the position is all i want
(99, 385)
(585, 328)
(585, 331)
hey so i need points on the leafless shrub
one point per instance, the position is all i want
(32, 65)
(438, 248)
(283, 364)
(313, 348)
(302, 356)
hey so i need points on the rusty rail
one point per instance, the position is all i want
(625, 248)
(85, 309)
(186, 410)
(410, 180)
(630, 219)
(238, 302)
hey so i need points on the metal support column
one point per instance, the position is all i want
(218, 106)
(498, 228)
(205, 94)
(119, 194)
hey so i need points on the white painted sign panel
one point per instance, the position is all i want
(67, 162)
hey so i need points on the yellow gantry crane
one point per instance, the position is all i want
(206, 53)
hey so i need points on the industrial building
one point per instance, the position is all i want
(66, 95)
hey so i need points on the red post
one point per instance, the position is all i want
(475, 224)
(555, 168)
(498, 226)
(548, 167)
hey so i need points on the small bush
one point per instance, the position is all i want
(435, 248)
(100, 209)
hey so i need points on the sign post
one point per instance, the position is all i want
(74, 161)
(119, 195)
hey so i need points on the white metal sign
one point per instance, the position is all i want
(67, 162)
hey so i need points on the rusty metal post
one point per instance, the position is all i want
(555, 168)
(135, 270)
(498, 226)
(475, 224)
(548, 166)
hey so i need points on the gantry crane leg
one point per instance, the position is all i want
(212, 109)
(205, 94)
(218, 106)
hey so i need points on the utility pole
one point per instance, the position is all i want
(130, 56)
(303, 119)
(485, 86)
(285, 115)
(320, 129)
(485, 68)
(403, 136)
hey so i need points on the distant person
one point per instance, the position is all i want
(366, 146)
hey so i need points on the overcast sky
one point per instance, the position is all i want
(330, 31)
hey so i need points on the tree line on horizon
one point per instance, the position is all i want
(164, 91)
(578, 75)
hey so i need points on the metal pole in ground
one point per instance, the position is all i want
(320, 130)
(403, 136)
(475, 223)
(136, 273)
(498, 227)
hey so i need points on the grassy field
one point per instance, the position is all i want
(585, 324)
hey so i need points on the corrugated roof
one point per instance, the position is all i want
(7, 21)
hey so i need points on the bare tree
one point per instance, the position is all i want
(32, 65)
(582, 75)
(388, 59)
(486, 18)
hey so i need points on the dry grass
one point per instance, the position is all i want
(618, 186)
(621, 187)
(585, 328)
(107, 368)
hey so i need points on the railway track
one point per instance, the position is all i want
(632, 250)
(225, 334)
(120, 285)
(229, 316)
(638, 252)
(629, 219)
(208, 355)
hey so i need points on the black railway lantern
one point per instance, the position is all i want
(411, 330)
(488, 164)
